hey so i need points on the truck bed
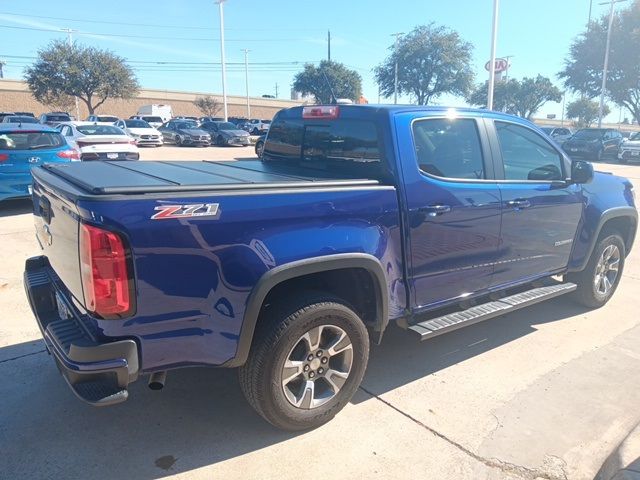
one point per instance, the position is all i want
(109, 178)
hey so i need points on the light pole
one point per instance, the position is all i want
(246, 78)
(222, 60)
(492, 67)
(70, 33)
(564, 96)
(605, 69)
(395, 74)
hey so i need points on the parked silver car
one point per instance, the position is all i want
(559, 134)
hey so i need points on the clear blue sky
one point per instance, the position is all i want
(281, 32)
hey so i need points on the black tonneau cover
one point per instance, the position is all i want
(105, 178)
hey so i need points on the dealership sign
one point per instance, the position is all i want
(501, 65)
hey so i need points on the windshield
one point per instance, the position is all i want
(589, 134)
(227, 126)
(136, 124)
(107, 119)
(635, 136)
(546, 130)
(186, 125)
(153, 119)
(57, 118)
(99, 130)
(30, 140)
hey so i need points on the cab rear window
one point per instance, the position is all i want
(348, 145)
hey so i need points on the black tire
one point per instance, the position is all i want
(622, 160)
(220, 141)
(587, 293)
(277, 334)
(178, 140)
(255, 131)
(259, 148)
(599, 156)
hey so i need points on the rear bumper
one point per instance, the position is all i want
(98, 372)
(14, 185)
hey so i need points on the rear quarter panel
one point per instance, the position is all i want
(194, 276)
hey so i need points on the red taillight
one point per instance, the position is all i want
(326, 112)
(4, 157)
(103, 267)
(70, 154)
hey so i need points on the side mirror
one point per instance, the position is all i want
(581, 172)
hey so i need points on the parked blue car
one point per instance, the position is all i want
(24, 146)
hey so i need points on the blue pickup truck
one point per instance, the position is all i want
(356, 217)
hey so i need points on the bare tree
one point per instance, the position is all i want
(208, 105)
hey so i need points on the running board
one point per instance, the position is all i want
(453, 321)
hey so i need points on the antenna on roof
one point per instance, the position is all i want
(333, 95)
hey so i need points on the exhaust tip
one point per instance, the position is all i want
(157, 379)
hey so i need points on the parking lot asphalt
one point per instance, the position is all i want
(545, 393)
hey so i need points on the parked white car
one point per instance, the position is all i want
(96, 141)
(102, 118)
(159, 110)
(140, 131)
(152, 120)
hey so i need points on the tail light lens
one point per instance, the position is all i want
(70, 154)
(105, 277)
(3, 157)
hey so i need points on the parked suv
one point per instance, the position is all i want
(630, 149)
(594, 143)
(53, 119)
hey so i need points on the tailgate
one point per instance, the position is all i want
(56, 222)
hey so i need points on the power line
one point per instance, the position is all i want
(119, 35)
(182, 27)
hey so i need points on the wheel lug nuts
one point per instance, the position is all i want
(310, 357)
(324, 360)
(312, 374)
(306, 368)
(321, 370)
(319, 353)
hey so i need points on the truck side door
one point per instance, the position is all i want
(540, 209)
(453, 207)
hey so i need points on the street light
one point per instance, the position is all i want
(246, 78)
(70, 32)
(605, 69)
(395, 75)
(222, 60)
(492, 68)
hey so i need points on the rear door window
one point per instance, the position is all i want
(449, 148)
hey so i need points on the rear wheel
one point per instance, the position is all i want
(259, 148)
(306, 362)
(599, 280)
(220, 141)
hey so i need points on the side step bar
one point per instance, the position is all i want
(437, 326)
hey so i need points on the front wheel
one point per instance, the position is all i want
(600, 278)
(178, 141)
(306, 362)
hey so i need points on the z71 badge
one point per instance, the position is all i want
(187, 211)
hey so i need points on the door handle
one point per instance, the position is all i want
(519, 203)
(435, 210)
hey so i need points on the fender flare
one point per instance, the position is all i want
(615, 212)
(300, 268)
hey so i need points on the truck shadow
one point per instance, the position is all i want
(21, 206)
(201, 417)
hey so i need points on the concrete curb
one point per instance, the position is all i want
(624, 461)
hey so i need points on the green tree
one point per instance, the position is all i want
(518, 97)
(432, 61)
(321, 80)
(582, 71)
(584, 112)
(88, 73)
(208, 105)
